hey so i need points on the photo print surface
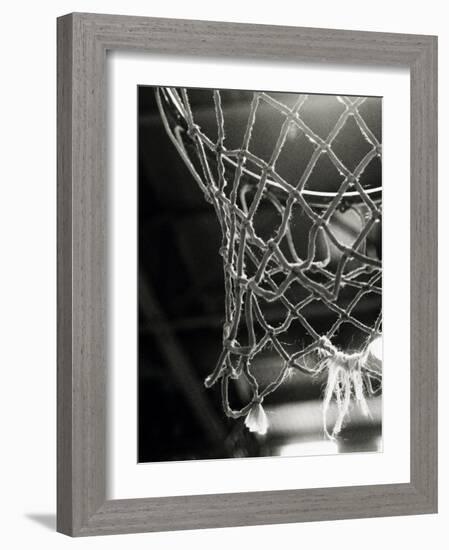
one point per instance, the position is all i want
(260, 274)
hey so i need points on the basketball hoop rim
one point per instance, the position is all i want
(315, 198)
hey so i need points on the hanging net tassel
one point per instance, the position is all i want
(256, 420)
(345, 380)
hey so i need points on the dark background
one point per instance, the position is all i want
(181, 298)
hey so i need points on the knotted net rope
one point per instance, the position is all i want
(261, 270)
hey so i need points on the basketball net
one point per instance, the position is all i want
(332, 271)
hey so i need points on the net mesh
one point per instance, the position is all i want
(299, 267)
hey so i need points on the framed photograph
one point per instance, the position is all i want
(247, 274)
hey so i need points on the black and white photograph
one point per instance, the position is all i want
(260, 274)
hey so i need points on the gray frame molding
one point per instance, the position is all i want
(83, 40)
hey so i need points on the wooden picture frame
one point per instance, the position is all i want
(83, 40)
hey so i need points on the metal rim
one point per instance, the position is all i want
(315, 198)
